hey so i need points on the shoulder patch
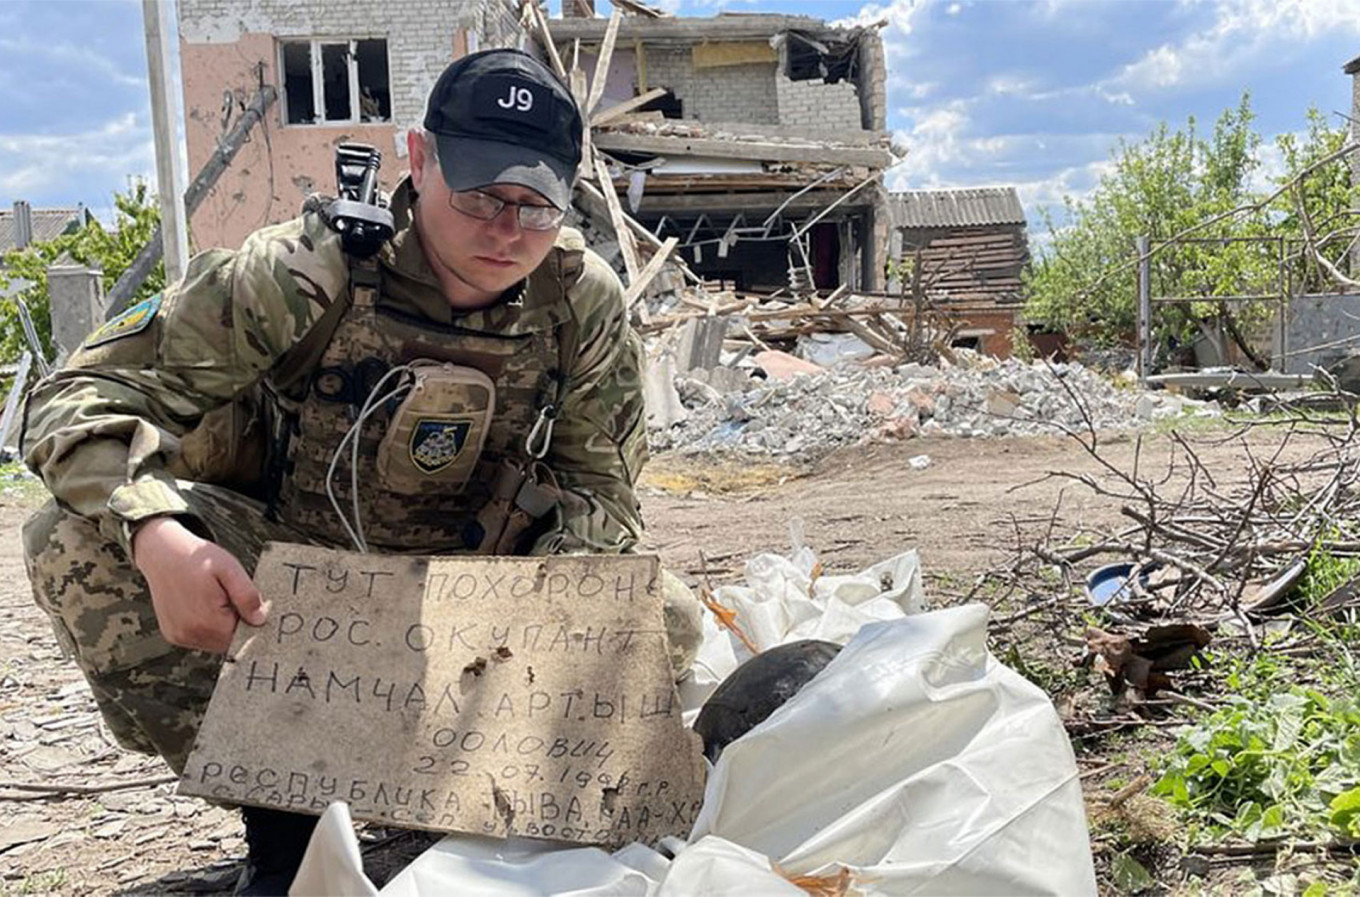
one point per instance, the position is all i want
(134, 319)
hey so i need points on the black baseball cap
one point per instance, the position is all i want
(503, 117)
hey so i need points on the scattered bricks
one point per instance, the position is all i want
(880, 404)
(783, 366)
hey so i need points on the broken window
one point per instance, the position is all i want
(832, 60)
(335, 81)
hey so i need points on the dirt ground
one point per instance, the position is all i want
(963, 511)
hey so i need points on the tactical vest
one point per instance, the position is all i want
(317, 405)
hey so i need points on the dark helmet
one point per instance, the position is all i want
(757, 688)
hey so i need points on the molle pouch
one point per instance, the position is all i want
(435, 437)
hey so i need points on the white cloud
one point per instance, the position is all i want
(1011, 85)
(32, 163)
(898, 14)
(1241, 35)
(69, 57)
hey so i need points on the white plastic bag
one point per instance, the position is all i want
(919, 762)
(915, 760)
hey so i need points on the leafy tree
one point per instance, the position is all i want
(136, 216)
(1323, 202)
(1161, 186)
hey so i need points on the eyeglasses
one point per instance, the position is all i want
(485, 207)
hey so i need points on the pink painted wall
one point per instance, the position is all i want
(280, 164)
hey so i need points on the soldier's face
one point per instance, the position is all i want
(475, 260)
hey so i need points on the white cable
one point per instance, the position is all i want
(371, 405)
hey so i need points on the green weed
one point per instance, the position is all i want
(1269, 768)
(1325, 571)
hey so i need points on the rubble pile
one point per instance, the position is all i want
(802, 413)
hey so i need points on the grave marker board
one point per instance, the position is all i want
(499, 696)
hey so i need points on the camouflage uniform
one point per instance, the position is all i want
(176, 390)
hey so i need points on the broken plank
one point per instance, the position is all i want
(621, 232)
(545, 39)
(641, 9)
(619, 109)
(648, 273)
(872, 336)
(602, 63)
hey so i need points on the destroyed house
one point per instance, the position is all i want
(757, 141)
(315, 74)
(971, 249)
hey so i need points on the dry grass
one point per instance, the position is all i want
(681, 475)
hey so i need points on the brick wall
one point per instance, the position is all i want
(225, 43)
(818, 106)
(419, 33)
(873, 83)
(733, 93)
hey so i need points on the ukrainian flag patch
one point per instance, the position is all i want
(134, 319)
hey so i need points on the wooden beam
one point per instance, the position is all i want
(691, 29)
(648, 274)
(740, 149)
(578, 93)
(621, 232)
(545, 38)
(641, 9)
(602, 63)
(625, 107)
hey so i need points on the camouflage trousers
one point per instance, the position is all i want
(152, 694)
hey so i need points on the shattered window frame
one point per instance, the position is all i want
(348, 78)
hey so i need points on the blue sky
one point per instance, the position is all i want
(1034, 94)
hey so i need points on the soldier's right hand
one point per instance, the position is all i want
(198, 589)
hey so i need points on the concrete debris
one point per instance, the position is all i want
(810, 414)
(783, 366)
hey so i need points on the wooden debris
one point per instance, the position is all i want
(617, 111)
(648, 273)
(616, 217)
(641, 9)
(602, 64)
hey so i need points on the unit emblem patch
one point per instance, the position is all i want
(134, 319)
(436, 442)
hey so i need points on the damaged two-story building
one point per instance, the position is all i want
(335, 72)
(760, 146)
(757, 141)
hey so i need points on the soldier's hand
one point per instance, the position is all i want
(198, 589)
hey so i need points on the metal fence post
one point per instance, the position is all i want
(1144, 344)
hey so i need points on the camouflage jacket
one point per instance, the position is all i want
(107, 433)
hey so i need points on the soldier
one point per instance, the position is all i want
(482, 361)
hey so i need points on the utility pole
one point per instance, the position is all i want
(159, 21)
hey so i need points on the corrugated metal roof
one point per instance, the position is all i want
(970, 207)
(47, 224)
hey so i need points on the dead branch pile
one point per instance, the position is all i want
(1204, 555)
